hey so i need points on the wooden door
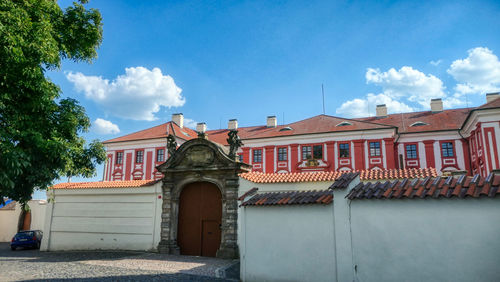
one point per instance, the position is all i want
(200, 214)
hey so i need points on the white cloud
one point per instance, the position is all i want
(102, 126)
(479, 73)
(137, 95)
(436, 63)
(408, 83)
(366, 107)
(399, 89)
(190, 123)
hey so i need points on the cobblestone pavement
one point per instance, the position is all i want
(33, 265)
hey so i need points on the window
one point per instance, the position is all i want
(411, 151)
(344, 150)
(374, 149)
(287, 128)
(447, 149)
(139, 157)
(160, 155)
(419, 123)
(119, 157)
(282, 154)
(317, 152)
(306, 152)
(240, 157)
(257, 156)
(344, 123)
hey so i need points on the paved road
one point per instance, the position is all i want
(33, 265)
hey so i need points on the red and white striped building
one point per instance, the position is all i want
(449, 140)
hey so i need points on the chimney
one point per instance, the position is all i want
(201, 127)
(178, 119)
(381, 111)
(492, 96)
(272, 121)
(436, 105)
(232, 124)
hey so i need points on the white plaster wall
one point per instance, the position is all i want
(110, 218)
(8, 224)
(288, 243)
(37, 214)
(246, 185)
(10, 218)
(426, 240)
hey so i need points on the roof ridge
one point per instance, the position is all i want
(135, 132)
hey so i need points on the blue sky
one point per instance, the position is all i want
(217, 60)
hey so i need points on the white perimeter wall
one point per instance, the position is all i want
(287, 243)
(369, 239)
(426, 240)
(111, 218)
(10, 218)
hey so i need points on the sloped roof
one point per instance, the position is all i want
(493, 104)
(445, 120)
(105, 184)
(316, 124)
(260, 177)
(451, 119)
(323, 197)
(429, 187)
(159, 131)
(9, 205)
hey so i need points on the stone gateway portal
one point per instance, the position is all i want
(200, 208)
(200, 215)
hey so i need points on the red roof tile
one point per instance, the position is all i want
(437, 187)
(445, 120)
(248, 193)
(323, 197)
(159, 131)
(317, 124)
(493, 104)
(9, 206)
(259, 177)
(105, 184)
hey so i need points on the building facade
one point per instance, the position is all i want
(448, 140)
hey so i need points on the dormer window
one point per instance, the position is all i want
(286, 128)
(419, 123)
(344, 123)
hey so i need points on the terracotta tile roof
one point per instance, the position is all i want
(259, 177)
(105, 184)
(291, 198)
(344, 180)
(445, 120)
(316, 124)
(159, 131)
(429, 187)
(248, 193)
(493, 104)
(10, 206)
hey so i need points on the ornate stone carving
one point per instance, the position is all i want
(199, 160)
(171, 144)
(234, 142)
(199, 156)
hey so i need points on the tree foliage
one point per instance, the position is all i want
(40, 132)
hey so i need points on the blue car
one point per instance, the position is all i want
(27, 239)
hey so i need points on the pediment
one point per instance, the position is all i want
(199, 154)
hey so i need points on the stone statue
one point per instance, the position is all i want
(171, 144)
(234, 142)
(202, 135)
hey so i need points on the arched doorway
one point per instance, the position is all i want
(200, 218)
